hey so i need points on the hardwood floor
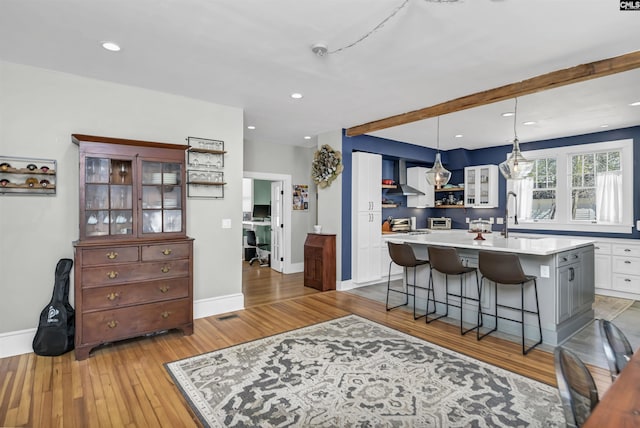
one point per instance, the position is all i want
(126, 384)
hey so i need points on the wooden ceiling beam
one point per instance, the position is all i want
(543, 82)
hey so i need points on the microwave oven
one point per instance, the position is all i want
(439, 223)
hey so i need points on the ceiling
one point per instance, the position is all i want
(252, 54)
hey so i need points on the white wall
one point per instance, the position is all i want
(295, 161)
(39, 110)
(330, 203)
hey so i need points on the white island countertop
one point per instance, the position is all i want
(534, 245)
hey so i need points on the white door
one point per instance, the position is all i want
(277, 226)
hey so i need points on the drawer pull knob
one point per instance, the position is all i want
(166, 251)
(113, 296)
(113, 274)
(164, 289)
(112, 324)
(165, 269)
(564, 259)
(165, 314)
(112, 255)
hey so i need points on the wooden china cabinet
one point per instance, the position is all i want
(133, 261)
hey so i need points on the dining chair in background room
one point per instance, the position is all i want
(577, 388)
(616, 347)
(403, 255)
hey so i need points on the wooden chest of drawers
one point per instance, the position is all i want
(125, 290)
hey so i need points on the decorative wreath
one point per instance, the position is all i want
(326, 166)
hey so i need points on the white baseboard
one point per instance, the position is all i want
(21, 342)
(17, 342)
(217, 305)
(296, 267)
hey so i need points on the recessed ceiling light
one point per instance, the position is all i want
(307, 137)
(251, 127)
(507, 114)
(111, 46)
(296, 95)
(604, 125)
(636, 104)
(459, 135)
(530, 122)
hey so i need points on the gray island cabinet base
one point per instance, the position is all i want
(565, 271)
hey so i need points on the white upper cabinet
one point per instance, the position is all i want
(416, 178)
(367, 178)
(481, 186)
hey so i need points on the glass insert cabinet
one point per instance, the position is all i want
(133, 259)
(125, 194)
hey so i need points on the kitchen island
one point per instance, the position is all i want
(564, 267)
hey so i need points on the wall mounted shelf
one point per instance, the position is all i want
(27, 176)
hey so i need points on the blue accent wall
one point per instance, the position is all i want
(455, 160)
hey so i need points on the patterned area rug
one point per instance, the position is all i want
(354, 372)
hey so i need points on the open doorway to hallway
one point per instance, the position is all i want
(263, 223)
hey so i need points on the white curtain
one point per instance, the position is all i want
(524, 189)
(609, 197)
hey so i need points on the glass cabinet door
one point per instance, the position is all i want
(108, 202)
(470, 186)
(161, 197)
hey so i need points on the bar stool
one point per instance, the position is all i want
(446, 261)
(403, 255)
(505, 268)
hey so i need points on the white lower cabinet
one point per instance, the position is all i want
(617, 268)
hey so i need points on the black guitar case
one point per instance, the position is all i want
(57, 320)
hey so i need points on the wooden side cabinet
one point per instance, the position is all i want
(320, 261)
(133, 261)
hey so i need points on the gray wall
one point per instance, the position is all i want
(295, 161)
(39, 110)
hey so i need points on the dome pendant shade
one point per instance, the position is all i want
(516, 167)
(438, 175)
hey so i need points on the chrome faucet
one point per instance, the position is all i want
(505, 232)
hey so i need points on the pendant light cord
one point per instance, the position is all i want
(376, 28)
(438, 134)
(515, 120)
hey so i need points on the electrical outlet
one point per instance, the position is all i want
(467, 220)
(226, 223)
(638, 225)
(500, 220)
(544, 271)
(491, 220)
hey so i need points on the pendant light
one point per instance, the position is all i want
(516, 167)
(438, 175)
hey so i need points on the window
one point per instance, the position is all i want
(580, 188)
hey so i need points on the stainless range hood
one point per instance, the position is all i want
(402, 187)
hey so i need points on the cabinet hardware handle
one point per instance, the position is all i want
(597, 248)
(572, 274)
(112, 324)
(166, 251)
(627, 250)
(112, 255)
(627, 262)
(165, 314)
(113, 296)
(164, 289)
(564, 259)
(165, 269)
(627, 280)
(113, 274)
(575, 256)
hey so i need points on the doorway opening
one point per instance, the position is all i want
(264, 192)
